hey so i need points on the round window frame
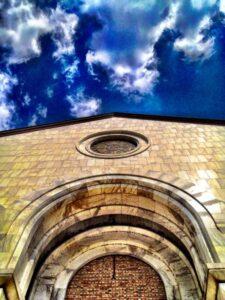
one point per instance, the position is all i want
(142, 143)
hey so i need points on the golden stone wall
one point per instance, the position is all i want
(180, 153)
(38, 160)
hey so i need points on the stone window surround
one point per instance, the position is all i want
(85, 144)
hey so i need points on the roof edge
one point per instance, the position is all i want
(110, 115)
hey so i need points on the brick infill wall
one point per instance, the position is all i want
(116, 278)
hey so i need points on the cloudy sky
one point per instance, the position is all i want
(63, 59)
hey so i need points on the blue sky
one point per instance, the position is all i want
(64, 59)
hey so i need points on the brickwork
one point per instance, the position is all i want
(118, 278)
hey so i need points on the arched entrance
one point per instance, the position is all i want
(84, 220)
(116, 277)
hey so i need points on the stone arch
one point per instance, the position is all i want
(124, 240)
(53, 216)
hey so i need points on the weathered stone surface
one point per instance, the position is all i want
(178, 183)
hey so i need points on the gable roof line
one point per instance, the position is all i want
(110, 115)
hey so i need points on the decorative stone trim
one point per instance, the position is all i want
(113, 144)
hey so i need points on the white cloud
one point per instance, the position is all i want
(82, 106)
(64, 26)
(122, 70)
(144, 78)
(55, 75)
(42, 111)
(140, 80)
(199, 4)
(90, 4)
(195, 46)
(129, 77)
(7, 109)
(26, 100)
(70, 70)
(101, 57)
(49, 92)
(168, 23)
(127, 4)
(98, 56)
(33, 120)
(24, 24)
(222, 6)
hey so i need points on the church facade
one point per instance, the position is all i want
(113, 207)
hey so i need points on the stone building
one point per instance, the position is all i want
(113, 207)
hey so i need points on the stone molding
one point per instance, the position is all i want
(85, 145)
